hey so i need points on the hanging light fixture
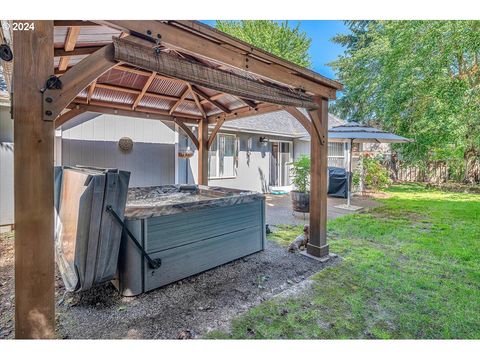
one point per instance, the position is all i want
(185, 153)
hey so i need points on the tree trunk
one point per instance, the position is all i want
(472, 165)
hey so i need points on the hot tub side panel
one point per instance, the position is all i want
(191, 242)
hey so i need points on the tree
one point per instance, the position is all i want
(420, 79)
(278, 38)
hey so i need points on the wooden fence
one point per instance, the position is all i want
(435, 172)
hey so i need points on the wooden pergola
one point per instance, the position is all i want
(179, 71)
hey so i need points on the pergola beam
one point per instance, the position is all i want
(195, 44)
(75, 80)
(69, 115)
(136, 53)
(117, 106)
(87, 50)
(97, 107)
(68, 23)
(189, 133)
(215, 130)
(302, 119)
(245, 112)
(226, 40)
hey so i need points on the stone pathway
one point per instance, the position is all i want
(279, 209)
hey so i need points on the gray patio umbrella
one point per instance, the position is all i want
(357, 133)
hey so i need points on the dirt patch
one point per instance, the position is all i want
(195, 305)
(455, 187)
(398, 214)
(374, 194)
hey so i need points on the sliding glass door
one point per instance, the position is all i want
(280, 163)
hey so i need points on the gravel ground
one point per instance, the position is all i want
(191, 307)
(7, 299)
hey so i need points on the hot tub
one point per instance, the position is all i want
(189, 229)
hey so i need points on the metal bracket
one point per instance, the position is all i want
(148, 36)
(52, 83)
(153, 263)
(6, 53)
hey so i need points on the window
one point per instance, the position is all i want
(221, 156)
(336, 154)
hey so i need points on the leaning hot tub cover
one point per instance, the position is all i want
(87, 237)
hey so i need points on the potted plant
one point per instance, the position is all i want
(301, 180)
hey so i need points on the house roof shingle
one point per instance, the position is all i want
(278, 122)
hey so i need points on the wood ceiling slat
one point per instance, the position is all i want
(70, 42)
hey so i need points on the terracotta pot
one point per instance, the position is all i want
(300, 201)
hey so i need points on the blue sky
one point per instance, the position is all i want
(322, 50)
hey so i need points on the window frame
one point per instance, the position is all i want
(337, 157)
(235, 154)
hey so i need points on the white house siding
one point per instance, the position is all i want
(6, 167)
(300, 147)
(95, 143)
(6, 183)
(252, 172)
(6, 123)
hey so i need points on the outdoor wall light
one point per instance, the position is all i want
(264, 139)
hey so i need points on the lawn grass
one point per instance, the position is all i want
(411, 269)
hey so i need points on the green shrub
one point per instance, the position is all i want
(301, 173)
(375, 175)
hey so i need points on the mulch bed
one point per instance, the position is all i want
(186, 309)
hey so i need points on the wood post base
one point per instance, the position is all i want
(318, 251)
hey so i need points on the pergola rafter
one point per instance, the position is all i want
(91, 89)
(70, 42)
(210, 100)
(264, 83)
(195, 98)
(144, 90)
(179, 101)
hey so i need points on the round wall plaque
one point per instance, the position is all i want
(125, 144)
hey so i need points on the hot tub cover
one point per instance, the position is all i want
(88, 238)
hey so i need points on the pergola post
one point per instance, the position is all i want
(33, 172)
(203, 152)
(317, 245)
